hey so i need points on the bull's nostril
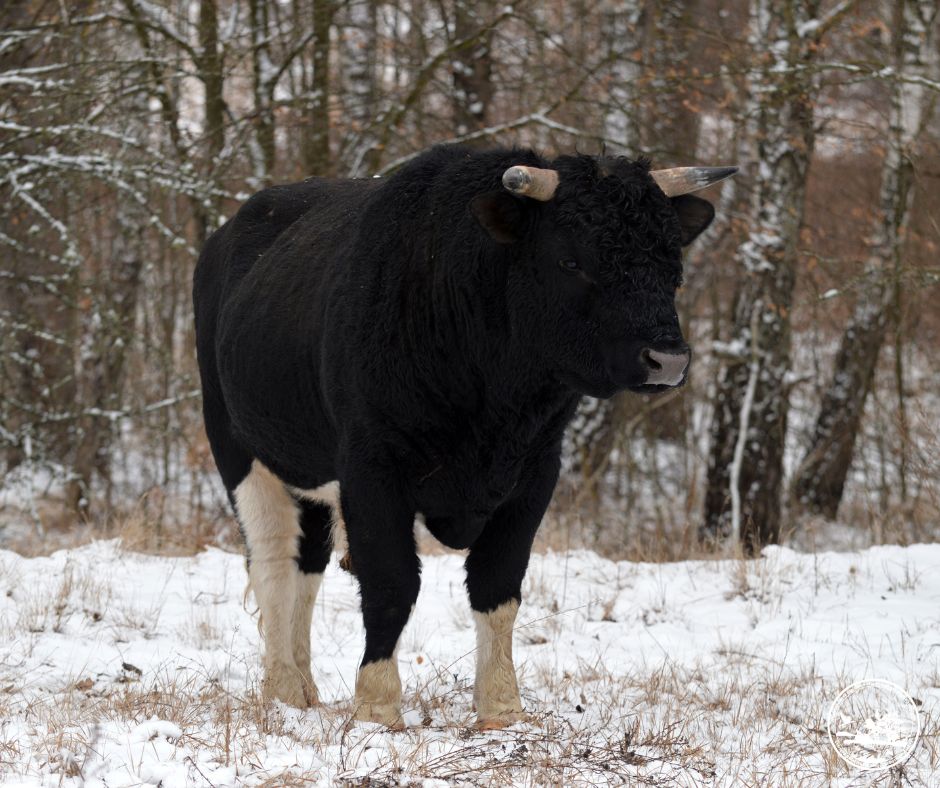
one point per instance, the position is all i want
(650, 362)
(664, 368)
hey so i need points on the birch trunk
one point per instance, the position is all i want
(749, 424)
(623, 40)
(358, 62)
(820, 480)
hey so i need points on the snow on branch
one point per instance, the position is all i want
(817, 27)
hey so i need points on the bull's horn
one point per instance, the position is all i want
(682, 180)
(531, 182)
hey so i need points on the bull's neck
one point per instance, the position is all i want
(481, 349)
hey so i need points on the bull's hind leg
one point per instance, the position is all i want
(380, 531)
(270, 519)
(314, 554)
(496, 566)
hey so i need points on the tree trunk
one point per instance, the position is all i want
(749, 424)
(103, 362)
(670, 125)
(210, 72)
(623, 41)
(262, 89)
(316, 150)
(472, 67)
(820, 479)
(358, 44)
(210, 68)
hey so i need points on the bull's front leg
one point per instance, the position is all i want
(496, 566)
(380, 531)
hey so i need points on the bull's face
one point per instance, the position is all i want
(600, 244)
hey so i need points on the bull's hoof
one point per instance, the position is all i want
(499, 721)
(383, 713)
(286, 685)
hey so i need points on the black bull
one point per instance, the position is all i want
(420, 342)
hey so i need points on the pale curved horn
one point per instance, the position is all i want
(531, 182)
(682, 180)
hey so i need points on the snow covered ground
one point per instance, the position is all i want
(123, 669)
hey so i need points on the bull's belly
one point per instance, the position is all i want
(455, 528)
(456, 514)
(457, 532)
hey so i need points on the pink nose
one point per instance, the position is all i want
(664, 369)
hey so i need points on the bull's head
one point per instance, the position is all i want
(600, 241)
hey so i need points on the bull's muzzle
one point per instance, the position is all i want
(665, 368)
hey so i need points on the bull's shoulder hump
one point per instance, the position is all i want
(286, 200)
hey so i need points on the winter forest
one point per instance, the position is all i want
(131, 129)
(720, 563)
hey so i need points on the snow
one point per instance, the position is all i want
(808, 28)
(119, 668)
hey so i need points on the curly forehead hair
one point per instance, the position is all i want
(614, 205)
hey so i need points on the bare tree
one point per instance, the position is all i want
(316, 150)
(745, 465)
(358, 79)
(211, 72)
(820, 480)
(472, 67)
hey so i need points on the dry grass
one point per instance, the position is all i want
(138, 529)
(668, 728)
(734, 716)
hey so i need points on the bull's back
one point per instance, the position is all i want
(233, 249)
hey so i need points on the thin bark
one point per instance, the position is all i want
(657, 35)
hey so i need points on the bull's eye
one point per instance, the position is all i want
(569, 265)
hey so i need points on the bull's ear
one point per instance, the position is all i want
(695, 214)
(500, 214)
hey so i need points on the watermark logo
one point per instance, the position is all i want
(873, 724)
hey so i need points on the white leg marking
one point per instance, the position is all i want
(378, 693)
(326, 493)
(308, 586)
(496, 692)
(271, 521)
